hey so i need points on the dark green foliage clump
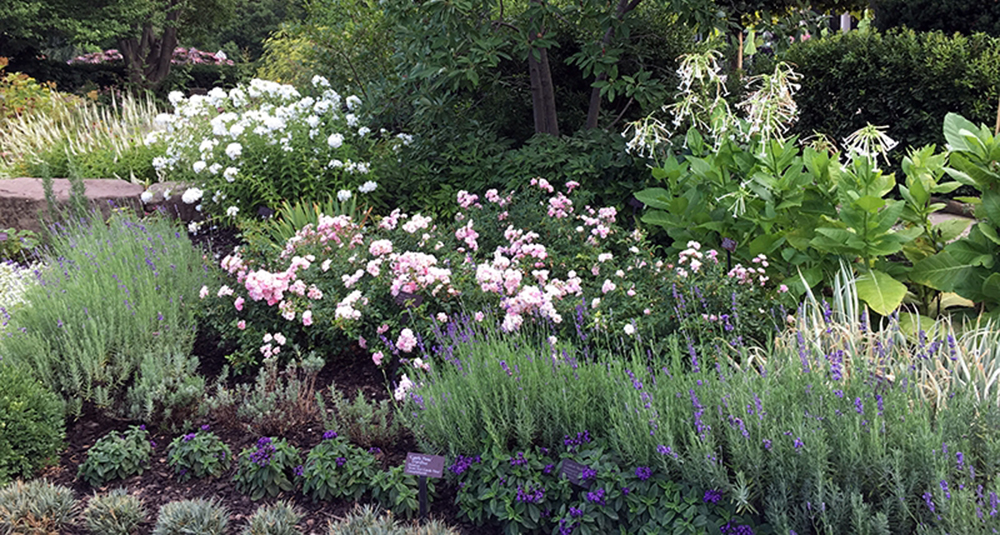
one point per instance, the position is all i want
(31, 424)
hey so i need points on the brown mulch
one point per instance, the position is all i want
(157, 485)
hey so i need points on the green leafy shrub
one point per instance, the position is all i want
(337, 469)
(117, 456)
(32, 422)
(16, 244)
(168, 390)
(199, 454)
(279, 518)
(186, 517)
(36, 508)
(906, 79)
(267, 468)
(114, 513)
(396, 491)
(948, 16)
(21, 94)
(112, 295)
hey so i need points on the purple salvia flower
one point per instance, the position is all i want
(712, 496)
(643, 473)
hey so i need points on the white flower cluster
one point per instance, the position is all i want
(212, 139)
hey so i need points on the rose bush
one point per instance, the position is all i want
(384, 283)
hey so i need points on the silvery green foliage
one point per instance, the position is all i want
(279, 518)
(187, 517)
(35, 507)
(114, 513)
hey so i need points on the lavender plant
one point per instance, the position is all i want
(110, 294)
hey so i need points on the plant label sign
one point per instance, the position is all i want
(419, 464)
(573, 471)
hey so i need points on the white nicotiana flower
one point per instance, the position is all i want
(343, 195)
(230, 174)
(351, 119)
(335, 164)
(352, 102)
(236, 130)
(234, 150)
(192, 195)
(335, 140)
(159, 163)
(193, 227)
(405, 138)
(364, 131)
(215, 168)
(629, 329)
(197, 207)
(368, 187)
(319, 81)
(232, 211)
(151, 138)
(146, 196)
(199, 166)
(312, 121)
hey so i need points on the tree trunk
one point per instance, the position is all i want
(594, 110)
(543, 95)
(147, 58)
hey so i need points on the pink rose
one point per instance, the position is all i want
(241, 325)
(307, 318)
(377, 358)
(239, 303)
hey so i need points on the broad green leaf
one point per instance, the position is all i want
(957, 130)
(991, 287)
(986, 229)
(951, 300)
(658, 198)
(950, 229)
(911, 324)
(880, 291)
(870, 203)
(990, 206)
(941, 272)
(658, 218)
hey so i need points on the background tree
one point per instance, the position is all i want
(145, 31)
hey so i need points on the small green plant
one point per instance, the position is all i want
(367, 423)
(366, 520)
(117, 456)
(31, 424)
(337, 469)
(268, 468)
(189, 517)
(168, 390)
(114, 513)
(397, 491)
(279, 518)
(276, 402)
(198, 454)
(36, 508)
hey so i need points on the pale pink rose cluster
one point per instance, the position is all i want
(413, 271)
(542, 184)
(345, 308)
(560, 206)
(468, 235)
(466, 200)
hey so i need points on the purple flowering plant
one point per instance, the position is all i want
(267, 468)
(335, 468)
(199, 454)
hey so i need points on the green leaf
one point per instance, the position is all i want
(911, 324)
(957, 132)
(941, 272)
(658, 198)
(987, 230)
(991, 206)
(658, 218)
(950, 229)
(880, 291)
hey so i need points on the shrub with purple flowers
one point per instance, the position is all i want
(335, 468)
(267, 468)
(199, 454)
(117, 455)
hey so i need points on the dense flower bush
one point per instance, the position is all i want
(181, 56)
(538, 255)
(263, 142)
